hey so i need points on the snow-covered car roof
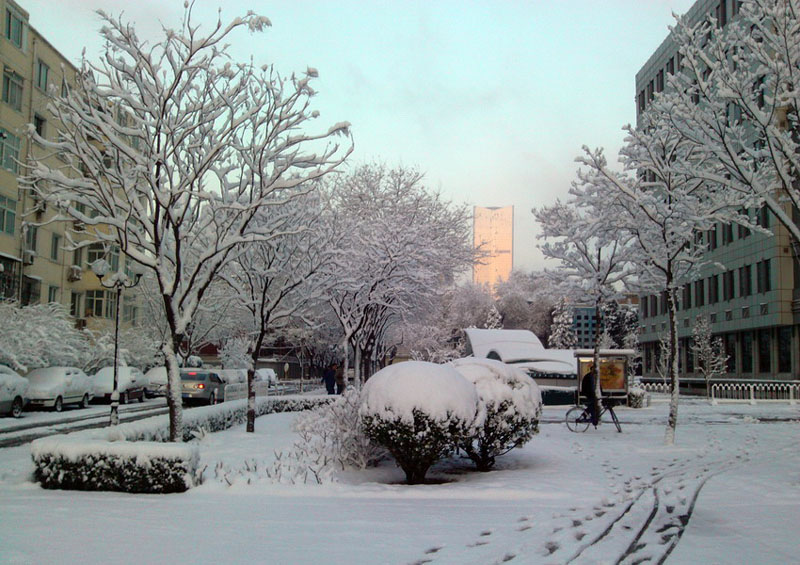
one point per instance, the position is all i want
(561, 361)
(508, 345)
(52, 373)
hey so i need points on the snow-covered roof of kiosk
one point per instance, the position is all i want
(522, 349)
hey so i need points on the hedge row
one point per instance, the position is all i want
(134, 457)
(62, 462)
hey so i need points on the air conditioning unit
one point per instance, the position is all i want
(28, 256)
(77, 225)
(80, 323)
(75, 273)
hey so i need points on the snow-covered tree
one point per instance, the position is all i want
(234, 354)
(562, 333)
(40, 335)
(494, 321)
(169, 151)
(709, 352)
(666, 209)
(272, 282)
(526, 301)
(396, 244)
(736, 96)
(594, 257)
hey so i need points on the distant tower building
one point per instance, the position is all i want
(493, 230)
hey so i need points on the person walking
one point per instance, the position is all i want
(340, 380)
(329, 378)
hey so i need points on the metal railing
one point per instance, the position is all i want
(754, 393)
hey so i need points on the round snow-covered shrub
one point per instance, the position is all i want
(510, 406)
(418, 411)
(637, 397)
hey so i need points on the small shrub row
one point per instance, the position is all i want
(209, 419)
(142, 467)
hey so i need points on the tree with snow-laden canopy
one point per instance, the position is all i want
(594, 256)
(510, 405)
(397, 243)
(171, 149)
(736, 97)
(664, 209)
(709, 352)
(272, 282)
(562, 332)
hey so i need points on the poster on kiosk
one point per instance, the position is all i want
(613, 370)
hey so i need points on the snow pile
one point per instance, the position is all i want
(419, 411)
(63, 462)
(510, 407)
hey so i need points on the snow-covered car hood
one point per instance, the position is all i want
(12, 385)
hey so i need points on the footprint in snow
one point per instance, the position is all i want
(508, 557)
(524, 528)
(551, 547)
(433, 549)
(486, 533)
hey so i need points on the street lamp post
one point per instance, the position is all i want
(117, 281)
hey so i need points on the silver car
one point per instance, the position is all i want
(56, 386)
(13, 392)
(202, 386)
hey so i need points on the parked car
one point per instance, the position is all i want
(155, 382)
(53, 387)
(130, 384)
(13, 392)
(202, 385)
(267, 375)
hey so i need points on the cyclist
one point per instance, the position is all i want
(588, 391)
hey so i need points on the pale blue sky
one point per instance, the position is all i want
(492, 100)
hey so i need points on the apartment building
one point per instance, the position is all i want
(35, 265)
(752, 304)
(493, 232)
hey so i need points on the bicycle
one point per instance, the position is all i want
(578, 418)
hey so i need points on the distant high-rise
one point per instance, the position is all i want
(493, 231)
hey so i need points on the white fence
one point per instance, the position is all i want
(237, 391)
(662, 388)
(755, 392)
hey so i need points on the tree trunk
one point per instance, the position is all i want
(174, 391)
(598, 391)
(357, 365)
(672, 422)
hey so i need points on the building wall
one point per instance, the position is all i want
(493, 229)
(40, 269)
(758, 320)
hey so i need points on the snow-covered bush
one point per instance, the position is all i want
(637, 397)
(510, 406)
(334, 430)
(142, 467)
(418, 411)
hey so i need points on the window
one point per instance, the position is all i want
(52, 294)
(129, 310)
(8, 215)
(39, 124)
(12, 89)
(727, 285)
(77, 257)
(644, 307)
(660, 81)
(745, 281)
(727, 234)
(713, 289)
(654, 305)
(15, 28)
(763, 276)
(42, 71)
(785, 349)
(747, 352)
(31, 238)
(712, 238)
(99, 303)
(650, 91)
(764, 362)
(9, 277)
(763, 217)
(699, 293)
(55, 245)
(31, 291)
(687, 296)
(9, 151)
(76, 299)
(94, 252)
(743, 230)
(671, 66)
(730, 351)
(641, 102)
(663, 301)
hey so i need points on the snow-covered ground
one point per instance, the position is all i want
(727, 492)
